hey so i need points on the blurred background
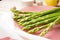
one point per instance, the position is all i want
(7, 4)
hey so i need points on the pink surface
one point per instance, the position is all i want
(37, 8)
(54, 33)
(6, 38)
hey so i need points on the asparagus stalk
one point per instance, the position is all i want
(39, 23)
(50, 26)
(37, 29)
(40, 18)
(20, 12)
(39, 14)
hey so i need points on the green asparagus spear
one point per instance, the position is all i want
(39, 23)
(39, 14)
(37, 28)
(20, 12)
(50, 26)
(40, 18)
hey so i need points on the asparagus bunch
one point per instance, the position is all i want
(50, 26)
(32, 19)
(39, 14)
(41, 18)
(39, 23)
